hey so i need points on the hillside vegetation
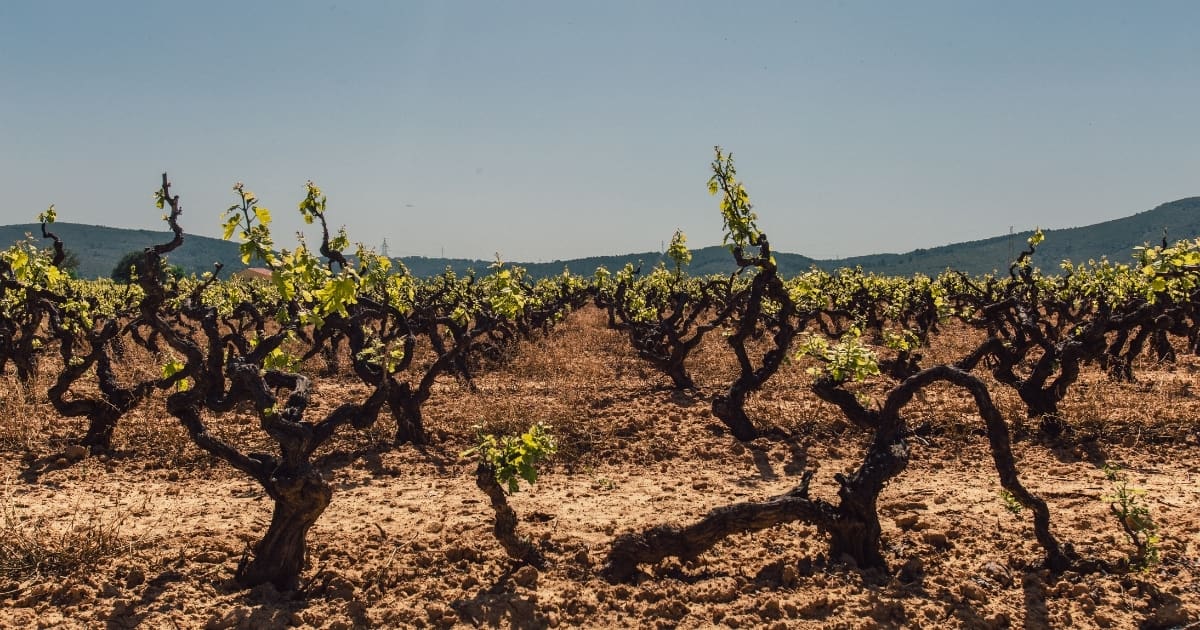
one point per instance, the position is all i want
(99, 248)
(1111, 239)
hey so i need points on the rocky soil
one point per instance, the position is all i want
(151, 534)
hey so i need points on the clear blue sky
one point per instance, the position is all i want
(547, 130)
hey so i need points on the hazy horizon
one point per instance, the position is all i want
(551, 131)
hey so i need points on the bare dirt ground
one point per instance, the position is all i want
(151, 536)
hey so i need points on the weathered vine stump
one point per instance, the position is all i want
(657, 543)
(680, 379)
(279, 556)
(405, 404)
(856, 531)
(731, 410)
(98, 438)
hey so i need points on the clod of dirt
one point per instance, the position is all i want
(913, 570)
(720, 590)
(997, 573)
(135, 578)
(936, 539)
(457, 552)
(789, 576)
(526, 576)
(1171, 615)
(771, 609)
(338, 587)
(209, 557)
(818, 606)
(232, 618)
(972, 591)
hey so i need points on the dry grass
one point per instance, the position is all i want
(33, 548)
(561, 381)
(573, 378)
(25, 414)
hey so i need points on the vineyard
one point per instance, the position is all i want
(348, 445)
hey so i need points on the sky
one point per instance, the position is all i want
(555, 130)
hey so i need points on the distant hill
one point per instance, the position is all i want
(99, 248)
(1112, 239)
(706, 260)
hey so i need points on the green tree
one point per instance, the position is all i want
(70, 264)
(136, 261)
(129, 264)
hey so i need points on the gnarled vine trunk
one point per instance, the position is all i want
(853, 524)
(505, 528)
(279, 556)
(856, 531)
(731, 409)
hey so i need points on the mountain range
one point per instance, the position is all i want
(98, 249)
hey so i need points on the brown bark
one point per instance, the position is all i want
(630, 550)
(505, 529)
(857, 531)
(279, 556)
(731, 410)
